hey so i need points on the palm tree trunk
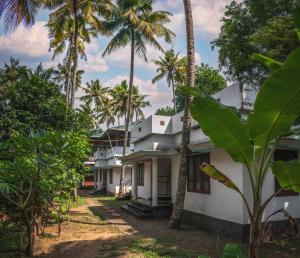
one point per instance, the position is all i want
(69, 70)
(128, 111)
(190, 81)
(75, 51)
(174, 96)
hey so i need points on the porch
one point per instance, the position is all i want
(151, 184)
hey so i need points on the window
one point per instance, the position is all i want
(198, 181)
(140, 174)
(285, 155)
(110, 176)
(162, 122)
(140, 129)
(181, 118)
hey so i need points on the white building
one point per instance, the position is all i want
(107, 169)
(208, 203)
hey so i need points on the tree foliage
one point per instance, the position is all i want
(252, 27)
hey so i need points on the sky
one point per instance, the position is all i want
(31, 46)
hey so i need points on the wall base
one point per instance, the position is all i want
(234, 230)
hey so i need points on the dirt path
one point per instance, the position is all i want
(85, 233)
(99, 228)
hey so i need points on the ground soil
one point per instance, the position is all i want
(99, 228)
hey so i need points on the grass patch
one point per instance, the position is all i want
(79, 202)
(112, 201)
(163, 247)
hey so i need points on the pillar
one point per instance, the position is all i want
(134, 181)
(154, 181)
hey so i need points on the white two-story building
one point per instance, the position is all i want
(107, 169)
(208, 203)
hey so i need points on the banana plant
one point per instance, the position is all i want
(253, 141)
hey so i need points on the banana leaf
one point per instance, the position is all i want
(219, 176)
(277, 104)
(223, 127)
(268, 62)
(287, 174)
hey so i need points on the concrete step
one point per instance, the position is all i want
(140, 207)
(137, 213)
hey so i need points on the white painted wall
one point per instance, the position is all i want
(222, 202)
(145, 191)
(114, 187)
(155, 142)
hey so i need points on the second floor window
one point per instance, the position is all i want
(110, 176)
(198, 181)
(140, 174)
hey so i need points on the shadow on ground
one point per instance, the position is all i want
(132, 237)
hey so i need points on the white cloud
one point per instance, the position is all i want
(95, 62)
(34, 43)
(206, 15)
(31, 42)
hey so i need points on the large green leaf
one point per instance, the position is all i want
(287, 174)
(277, 104)
(223, 127)
(270, 63)
(219, 176)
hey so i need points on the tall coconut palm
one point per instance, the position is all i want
(18, 12)
(167, 67)
(190, 81)
(136, 24)
(96, 95)
(71, 25)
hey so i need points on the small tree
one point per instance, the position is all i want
(254, 141)
(37, 169)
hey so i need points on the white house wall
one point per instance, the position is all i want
(114, 187)
(145, 190)
(222, 202)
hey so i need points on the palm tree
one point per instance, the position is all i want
(119, 96)
(17, 12)
(190, 81)
(71, 25)
(134, 22)
(106, 113)
(87, 116)
(11, 73)
(138, 103)
(61, 73)
(96, 95)
(167, 67)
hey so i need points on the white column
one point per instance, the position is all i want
(134, 183)
(154, 181)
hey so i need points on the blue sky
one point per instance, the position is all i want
(31, 47)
